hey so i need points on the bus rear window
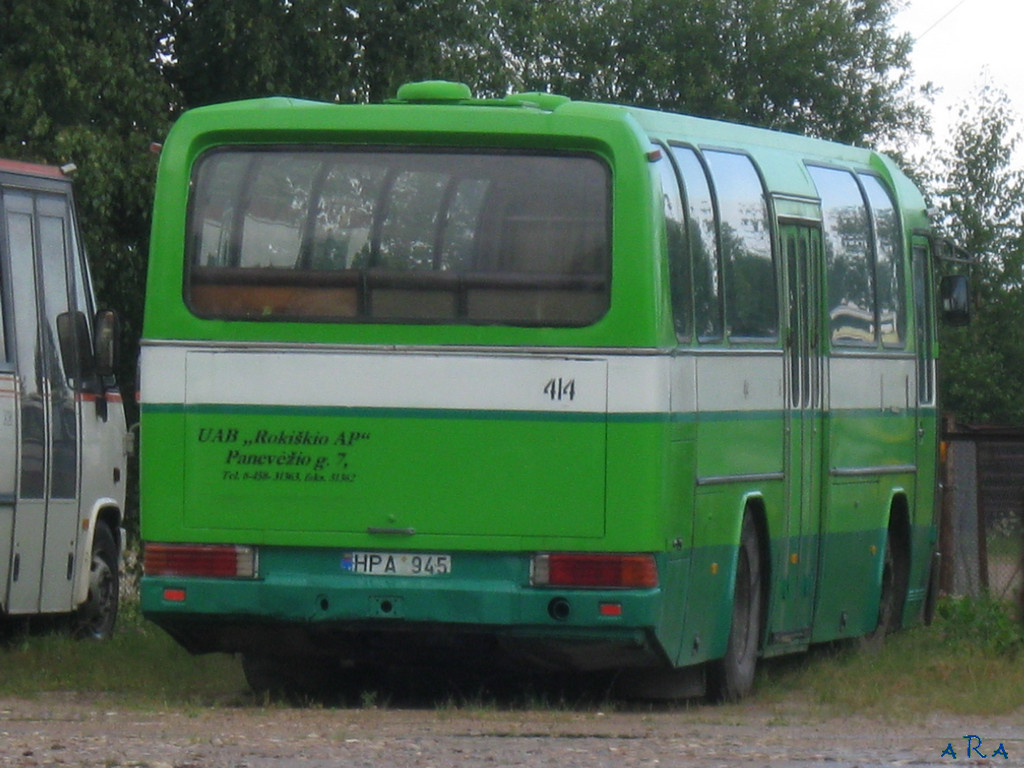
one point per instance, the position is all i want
(399, 236)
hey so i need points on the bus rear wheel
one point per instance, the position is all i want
(895, 577)
(732, 677)
(293, 677)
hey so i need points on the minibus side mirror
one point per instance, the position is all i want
(76, 348)
(106, 342)
(955, 299)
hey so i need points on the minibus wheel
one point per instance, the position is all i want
(95, 617)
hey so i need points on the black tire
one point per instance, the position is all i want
(931, 599)
(290, 677)
(661, 684)
(732, 677)
(894, 591)
(95, 618)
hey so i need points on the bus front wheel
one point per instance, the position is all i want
(732, 677)
(95, 617)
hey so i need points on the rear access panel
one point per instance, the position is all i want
(450, 444)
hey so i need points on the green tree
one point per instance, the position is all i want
(95, 81)
(831, 68)
(219, 50)
(981, 196)
(216, 50)
(78, 84)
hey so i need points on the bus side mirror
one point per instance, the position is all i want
(75, 348)
(955, 299)
(106, 342)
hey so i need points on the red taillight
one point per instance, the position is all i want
(595, 571)
(610, 609)
(209, 560)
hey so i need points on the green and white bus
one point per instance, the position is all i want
(575, 385)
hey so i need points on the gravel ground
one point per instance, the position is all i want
(82, 730)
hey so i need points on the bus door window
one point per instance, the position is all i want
(8, 421)
(812, 319)
(6, 326)
(21, 234)
(802, 257)
(54, 248)
(797, 373)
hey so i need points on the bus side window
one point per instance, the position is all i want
(5, 321)
(21, 235)
(678, 255)
(923, 324)
(889, 276)
(702, 236)
(851, 288)
(751, 304)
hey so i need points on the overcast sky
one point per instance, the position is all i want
(959, 40)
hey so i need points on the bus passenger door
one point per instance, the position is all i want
(802, 253)
(926, 412)
(45, 531)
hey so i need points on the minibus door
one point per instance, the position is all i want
(45, 531)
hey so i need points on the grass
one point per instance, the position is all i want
(970, 662)
(140, 664)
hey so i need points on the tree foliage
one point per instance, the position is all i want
(78, 84)
(95, 81)
(981, 195)
(832, 68)
(217, 50)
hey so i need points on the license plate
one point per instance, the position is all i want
(396, 564)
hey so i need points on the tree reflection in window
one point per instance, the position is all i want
(397, 235)
(850, 279)
(751, 307)
(703, 242)
(889, 272)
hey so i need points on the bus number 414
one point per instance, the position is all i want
(560, 389)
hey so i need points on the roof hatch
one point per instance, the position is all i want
(434, 91)
(446, 92)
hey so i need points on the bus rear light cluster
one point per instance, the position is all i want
(218, 561)
(596, 571)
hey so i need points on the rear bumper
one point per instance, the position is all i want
(306, 604)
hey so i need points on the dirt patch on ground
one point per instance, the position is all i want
(83, 730)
